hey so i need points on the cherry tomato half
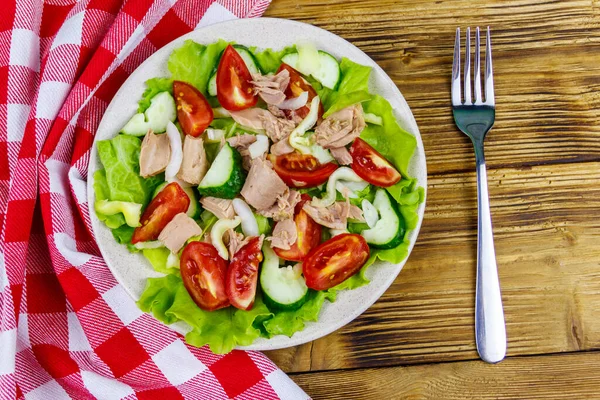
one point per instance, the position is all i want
(242, 275)
(372, 166)
(309, 235)
(203, 274)
(169, 202)
(193, 111)
(298, 85)
(234, 90)
(301, 170)
(335, 260)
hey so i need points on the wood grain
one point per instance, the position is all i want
(546, 224)
(545, 61)
(572, 376)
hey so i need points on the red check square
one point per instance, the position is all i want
(233, 383)
(49, 296)
(122, 353)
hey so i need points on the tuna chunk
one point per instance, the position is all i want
(178, 231)
(276, 111)
(284, 206)
(341, 155)
(235, 241)
(222, 208)
(341, 127)
(263, 185)
(282, 147)
(250, 117)
(271, 88)
(154, 154)
(241, 144)
(194, 164)
(277, 128)
(335, 216)
(285, 234)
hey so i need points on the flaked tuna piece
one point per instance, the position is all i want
(241, 144)
(341, 155)
(194, 163)
(235, 241)
(263, 186)
(285, 234)
(341, 127)
(284, 206)
(270, 87)
(336, 215)
(222, 208)
(178, 231)
(277, 129)
(281, 147)
(276, 111)
(154, 154)
(250, 117)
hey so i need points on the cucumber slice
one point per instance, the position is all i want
(161, 111)
(212, 84)
(388, 231)
(194, 208)
(225, 177)
(249, 60)
(283, 288)
(328, 72)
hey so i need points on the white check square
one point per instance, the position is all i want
(177, 363)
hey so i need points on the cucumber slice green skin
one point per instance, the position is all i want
(395, 218)
(225, 177)
(281, 291)
(329, 73)
(249, 60)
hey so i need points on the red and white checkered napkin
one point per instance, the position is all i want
(68, 329)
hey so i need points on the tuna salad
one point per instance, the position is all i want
(259, 183)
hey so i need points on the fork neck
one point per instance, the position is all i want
(479, 155)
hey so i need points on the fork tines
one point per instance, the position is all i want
(489, 75)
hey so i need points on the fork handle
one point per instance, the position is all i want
(490, 331)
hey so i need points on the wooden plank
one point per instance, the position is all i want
(547, 225)
(545, 61)
(568, 376)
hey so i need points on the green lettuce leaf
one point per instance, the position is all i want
(347, 100)
(153, 87)
(102, 193)
(120, 158)
(354, 87)
(158, 260)
(169, 301)
(393, 142)
(123, 235)
(270, 60)
(194, 63)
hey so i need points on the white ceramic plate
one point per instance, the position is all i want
(132, 270)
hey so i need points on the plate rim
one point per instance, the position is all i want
(409, 120)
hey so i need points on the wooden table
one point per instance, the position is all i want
(543, 159)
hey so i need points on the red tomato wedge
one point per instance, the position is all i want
(335, 260)
(298, 85)
(193, 111)
(301, 170)
(203, 274)
(372, 166)
(309, 235)
(242, 275)
(169, 202)
(234, 90)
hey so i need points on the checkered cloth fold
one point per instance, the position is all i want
(68, 329)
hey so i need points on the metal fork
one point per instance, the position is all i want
(475, 119)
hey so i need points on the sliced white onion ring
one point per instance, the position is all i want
(294, 103)
(249, 224)
(176, 153)
(370, 213)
